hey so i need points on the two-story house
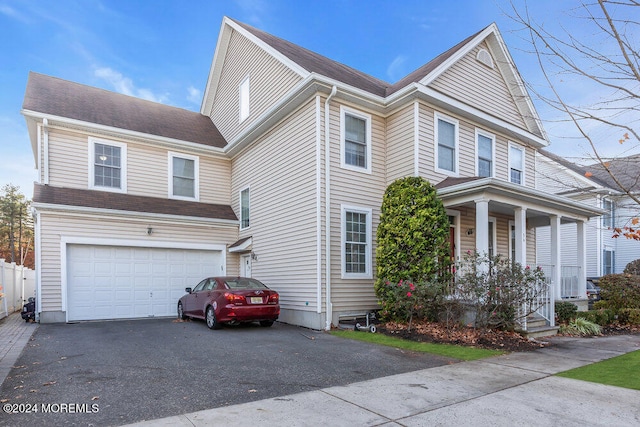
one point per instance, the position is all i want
(593, 185)
(280, 176)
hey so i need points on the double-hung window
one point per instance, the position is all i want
(244, 208)
(356, 242)
(183, 176)
(608, 219)
(484, 149)
(516, 164)
(608, 261)
(446, 135)
(355, 140)
(107, 165)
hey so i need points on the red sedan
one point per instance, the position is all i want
(230, 300)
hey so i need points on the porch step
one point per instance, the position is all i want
(540, 331)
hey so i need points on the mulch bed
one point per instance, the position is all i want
(491, 339)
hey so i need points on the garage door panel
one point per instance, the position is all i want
(124, 282)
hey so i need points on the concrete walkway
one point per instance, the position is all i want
(515, 389)
(14, 336)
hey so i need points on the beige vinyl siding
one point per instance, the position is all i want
(269, 80)
(356, 189)
(280, 170)
(147, 167)
(54, 225)
(400, 144)
(477, 85)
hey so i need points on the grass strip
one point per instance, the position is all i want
(620, 371)
(447, 350)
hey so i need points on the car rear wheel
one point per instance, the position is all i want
(181, 314)
(266, 323)
(212, 322)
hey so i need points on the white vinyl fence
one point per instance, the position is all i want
(17, 284)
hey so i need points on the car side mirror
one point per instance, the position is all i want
(188, 290)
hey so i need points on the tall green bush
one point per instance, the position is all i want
(412, 240)
(619, 291)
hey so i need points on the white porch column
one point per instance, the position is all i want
(582, 257)
(520, 223)
(556, 259)
(482, 226)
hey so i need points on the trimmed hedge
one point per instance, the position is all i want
(619, 291)
(565, 311)
(629, 316)
(602, 317)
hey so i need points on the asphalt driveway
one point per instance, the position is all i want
(113, 373)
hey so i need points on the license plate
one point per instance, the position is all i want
(256, 300)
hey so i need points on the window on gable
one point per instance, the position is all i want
(244, 99)
(516, 164)
(356, 140)
(447, 144)
(244, 208)
(485, 155)
(356, 238)
(107, 161)
(183, 176)
(608, 219)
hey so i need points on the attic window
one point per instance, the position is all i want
(484, 57)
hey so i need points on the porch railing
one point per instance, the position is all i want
(543, 305)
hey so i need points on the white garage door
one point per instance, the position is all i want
(114, 282)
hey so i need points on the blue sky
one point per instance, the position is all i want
(162, 50)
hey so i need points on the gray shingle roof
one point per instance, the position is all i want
(316, 63)
(126, 202)
(51, 95)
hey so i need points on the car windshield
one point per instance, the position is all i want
(244, 283)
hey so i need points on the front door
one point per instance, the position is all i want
(245, 265)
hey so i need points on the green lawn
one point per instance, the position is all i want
(621, 371)
(447, 350)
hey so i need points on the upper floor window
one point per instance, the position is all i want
(446, 130)
(356, 242)
(484, 149)
(183, 176)
(609, 218)
(108, 161)
(355, 140)
(244, 99)
(244, 208)
(516, 164)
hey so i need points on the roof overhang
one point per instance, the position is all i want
(507, 196)
(242, 245)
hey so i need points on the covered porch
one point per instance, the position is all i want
(498, 217)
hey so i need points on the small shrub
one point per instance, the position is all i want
(633, 268)
(602, 317)
(580, 326)
(620, 291)
(629, 316)
(407, 300)
(565, 311)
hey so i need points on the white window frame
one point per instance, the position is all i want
(609, 218)
(123, 165)
(456, 166)
(492, 137)
(368, 274)
(524, 162)
(344, 111)
(196, 173)
(244, 99)
(247, 188)
(605, 250)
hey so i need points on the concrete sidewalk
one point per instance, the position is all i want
(14, 336)
(515, 389)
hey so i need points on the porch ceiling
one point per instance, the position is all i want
(504, 197)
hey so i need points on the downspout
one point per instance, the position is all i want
(45, 166)
(327, 207)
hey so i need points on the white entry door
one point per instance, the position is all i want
(245, 265)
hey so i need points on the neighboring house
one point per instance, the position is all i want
(280, 177)
(594, 186)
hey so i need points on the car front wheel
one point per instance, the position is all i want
(212, 322)
(181, 314)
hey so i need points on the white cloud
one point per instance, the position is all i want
(125, 85)
(12, 13)
(255, 10)
(194, 95)
(396, 70)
